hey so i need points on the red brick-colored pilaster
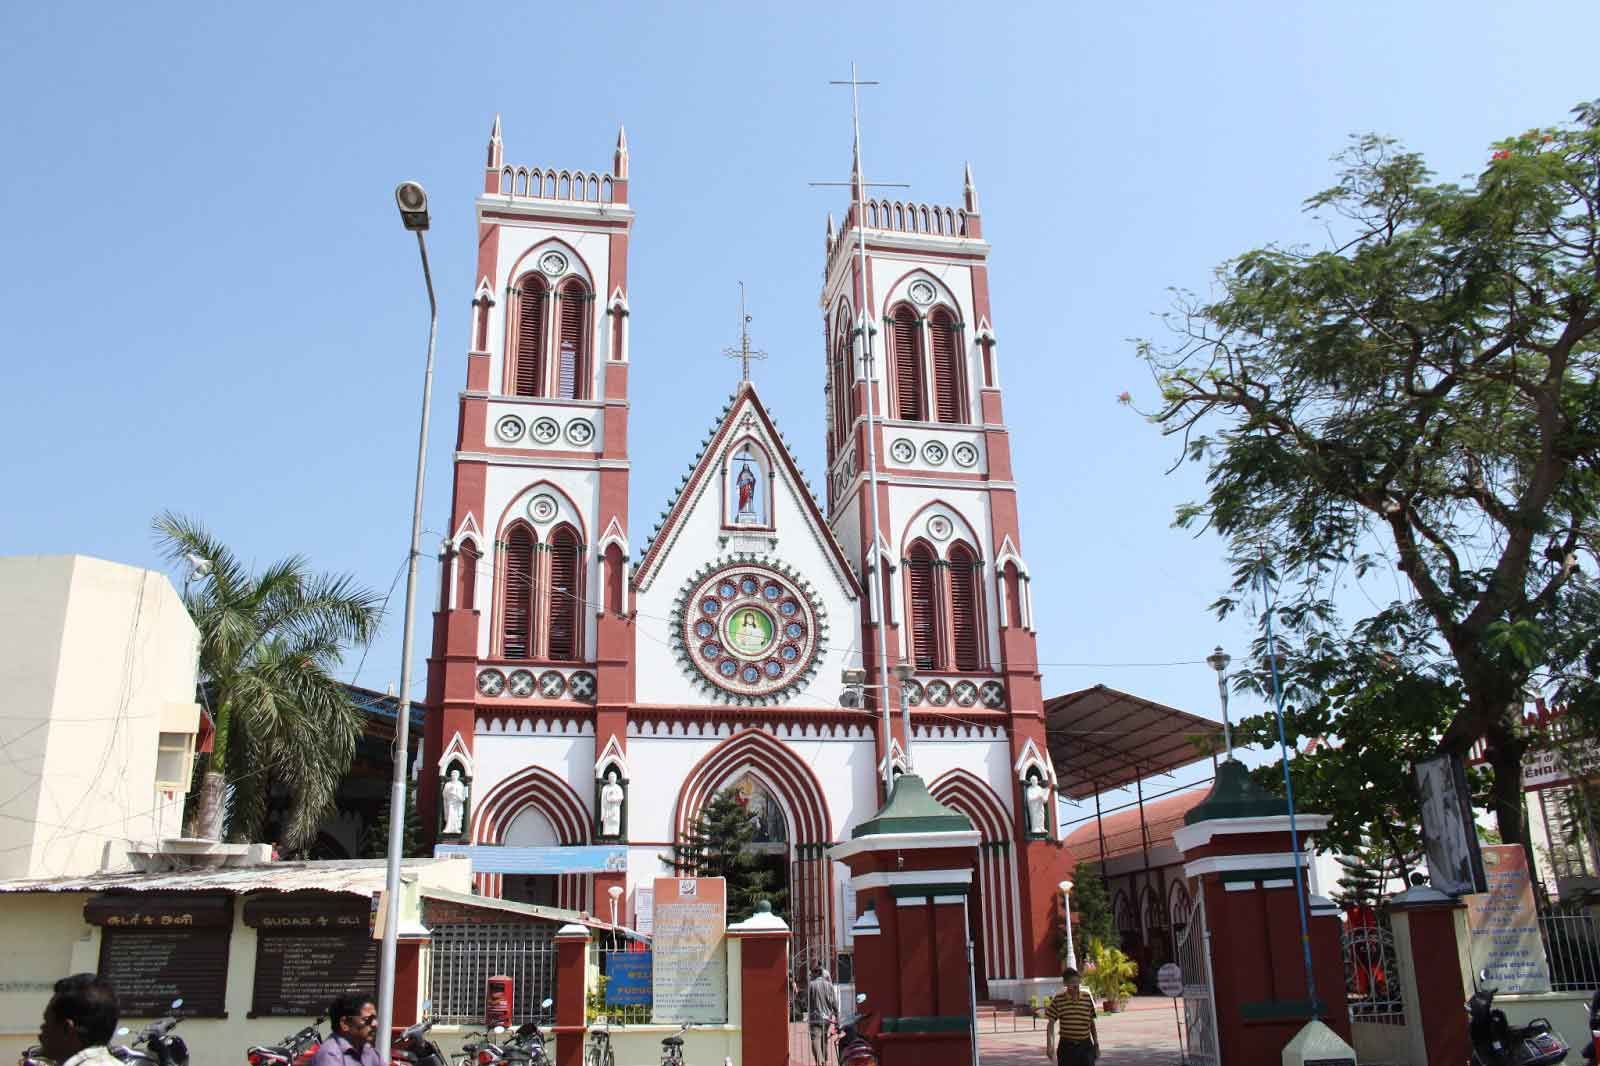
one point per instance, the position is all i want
(764, 994)
(572, 958)
(1431, 923)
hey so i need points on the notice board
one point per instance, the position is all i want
(689, 950)
(1504, 923)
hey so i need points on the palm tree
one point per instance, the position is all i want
(269, 644)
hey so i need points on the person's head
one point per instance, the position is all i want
(82, 1013)
(817, 971)
(1070, 978)
(354, 1016)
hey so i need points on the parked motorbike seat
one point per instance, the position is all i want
(672, 1041)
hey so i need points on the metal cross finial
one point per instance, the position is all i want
(744, 353)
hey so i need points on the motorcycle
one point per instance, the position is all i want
(295, 1049)
(34, 1056)
(156, 1044)
(855, 1047)
(413, 1047)
(1495, 1042)
(526, 1045)
(1591, 1050)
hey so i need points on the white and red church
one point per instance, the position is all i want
(593, 680)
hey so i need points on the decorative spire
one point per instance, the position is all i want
(619, 163)
(830, 228)
(970, 192)
(496, 151)
(855, 173)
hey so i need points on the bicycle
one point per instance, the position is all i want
(672, 1047)
(597, 1052)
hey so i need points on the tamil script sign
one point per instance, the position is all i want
(1548, 767)
(690, 979)
(628, 979)
(506, 859)
(1504, 925)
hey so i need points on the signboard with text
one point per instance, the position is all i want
(688, 950)
(628, 979)
(1504, 925)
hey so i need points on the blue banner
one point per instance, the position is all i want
(628, 979)
(504, 859)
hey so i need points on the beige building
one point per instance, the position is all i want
(98, 718)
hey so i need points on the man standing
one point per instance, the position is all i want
(822, 1012)
(1074, 1009)
(79, 1020)
(354, 1017)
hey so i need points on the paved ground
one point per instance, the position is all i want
(1143, 1034)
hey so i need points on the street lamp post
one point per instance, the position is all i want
(1066, 913)
(1219, 660)
(903, 671)
(412, 201)
(615, 892)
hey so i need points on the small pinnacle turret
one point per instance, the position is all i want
(619, 162)
(969, 192)
(496, 150)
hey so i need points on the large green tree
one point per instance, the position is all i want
(269, 645)
(1419, 394)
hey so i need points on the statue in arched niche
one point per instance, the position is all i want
(612, 797)
(747, 500)
(453, 796)
(1036, 800)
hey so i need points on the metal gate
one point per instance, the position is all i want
(464, 956)
(1199, 1006)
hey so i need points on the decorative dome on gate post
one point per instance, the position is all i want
(912, 810)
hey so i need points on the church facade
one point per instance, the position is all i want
(594, 679)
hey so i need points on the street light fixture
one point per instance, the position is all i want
(1219, 660)
(1066, 911)
(615, 892)
(412, 200)
(903, 671)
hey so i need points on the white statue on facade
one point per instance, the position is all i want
(611, 797)
(1036, 796)
(454, 793)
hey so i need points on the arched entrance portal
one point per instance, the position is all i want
(786, 799)
(533, 807)
(992, 907)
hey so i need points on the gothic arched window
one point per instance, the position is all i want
(966, 625)
(566, 594)
(614, 577)
(924, 607)
(517, 598)
(572, 347)
(905, 345)
(1013, 586)
(843, 393)
(527, 342)
(949, 381)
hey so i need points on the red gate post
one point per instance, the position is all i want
(572, 993)
(1430, 933)
(1236, 843)
(763, 987)
(911, 864)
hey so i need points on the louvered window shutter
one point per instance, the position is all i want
(964, 609)
(516, 628)
(907, 367)
(924, 610)
(949, 402)
(528, 377)
(570, 371)
(563, 611)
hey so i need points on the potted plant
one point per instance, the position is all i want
(1109, 975)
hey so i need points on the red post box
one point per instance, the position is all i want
(497, 1001)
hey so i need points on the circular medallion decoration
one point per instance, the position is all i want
(553, 263)
(509, 429)
(993, 694)
(582, 685)
(966, 693)
(965, 454)
(552, 684)
(544, 430)
(903, 451)
(580, 431)
(491, 682)
(520, 683)
(749, 630)
(934, 452)
(940, 527)
(913, 690)
(921, 292)
(937, 693)
(542, 508)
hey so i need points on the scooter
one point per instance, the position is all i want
(526, 1045)
(156, 1044)
(413, 1047)
(855, 1048)
(296, 1049)
(1496, 1043)
(1591, 1050)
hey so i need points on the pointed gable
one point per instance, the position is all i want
(745, 452)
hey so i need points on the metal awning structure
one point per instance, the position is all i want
(1101, 738)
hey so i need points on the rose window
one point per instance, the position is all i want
(750, 631)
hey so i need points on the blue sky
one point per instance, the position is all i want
(207, 302)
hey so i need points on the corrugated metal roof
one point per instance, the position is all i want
(362, 877)
(531, 910)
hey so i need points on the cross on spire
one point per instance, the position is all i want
(744, 353)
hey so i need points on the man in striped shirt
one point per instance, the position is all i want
(1074, 1009)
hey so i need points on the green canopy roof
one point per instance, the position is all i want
(911, 810)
